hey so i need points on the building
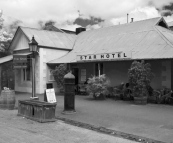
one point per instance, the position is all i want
(109, 50)
(51, 46)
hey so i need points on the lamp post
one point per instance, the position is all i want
(33, 47)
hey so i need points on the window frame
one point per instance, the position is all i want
(50, 74)
(24, 71)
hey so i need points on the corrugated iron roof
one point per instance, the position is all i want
(6, 59)
(170, 23)
(50, 38)
(24, 54)
(146, 39)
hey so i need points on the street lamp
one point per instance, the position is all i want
(33, 47)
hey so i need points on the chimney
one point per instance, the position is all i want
(127, 18)
(79, 30)
(132, 20)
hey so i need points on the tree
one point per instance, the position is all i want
(5, 39)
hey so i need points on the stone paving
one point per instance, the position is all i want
(16, 129)
(151, 121)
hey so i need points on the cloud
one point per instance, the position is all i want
(65, 12)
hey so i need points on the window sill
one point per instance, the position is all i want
(51, 81)
(28, 81)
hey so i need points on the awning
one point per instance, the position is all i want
(10, 57)
(6, 59)
(23, 54)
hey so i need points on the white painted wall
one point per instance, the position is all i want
(47, 55)
(20, 42)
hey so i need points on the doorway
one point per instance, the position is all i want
(75, 72)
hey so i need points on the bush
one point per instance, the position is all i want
(140, 77)
(97, 85)
(59, 74)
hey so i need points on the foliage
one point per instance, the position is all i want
(59, 73)
(140, 76)
(98, 85)
(5, 38)
(7, 75)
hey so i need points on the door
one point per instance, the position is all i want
(75, 72)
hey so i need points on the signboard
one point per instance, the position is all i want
(20, 66)
(50, 94)
(19, 58)
(105, 56)
(20, 61)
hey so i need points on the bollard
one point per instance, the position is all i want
(69, 94)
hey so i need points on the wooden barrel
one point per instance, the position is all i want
(7, 99)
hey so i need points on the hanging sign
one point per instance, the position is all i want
(20, 61)
(19, 58)
(105, 56)
(19, 66)
(50, 94)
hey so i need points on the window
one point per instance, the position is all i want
(50, 76)
(83, 75)
(98, 69)
(27, 72)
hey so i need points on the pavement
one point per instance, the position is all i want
(16, 129)
(151, 122)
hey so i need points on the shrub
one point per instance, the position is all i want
(140, 76)
(59, 73)
(97, 85)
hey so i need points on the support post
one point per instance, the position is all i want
(99, 68)
(0, 78)
(33, 77)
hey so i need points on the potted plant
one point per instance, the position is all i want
(140, 76)
(97, 86)
(59, 72)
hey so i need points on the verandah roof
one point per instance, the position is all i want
(147, 39)
(6, 59)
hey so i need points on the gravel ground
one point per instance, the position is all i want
(16, 129)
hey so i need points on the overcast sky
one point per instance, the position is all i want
(65, 12)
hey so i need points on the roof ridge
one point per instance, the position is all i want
(125, 24)
(43, 30)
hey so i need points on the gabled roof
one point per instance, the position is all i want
(146, 39)
(49, 38)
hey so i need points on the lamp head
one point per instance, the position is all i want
(33, 45)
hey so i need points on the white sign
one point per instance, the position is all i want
(106, 56)
(50, 94)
